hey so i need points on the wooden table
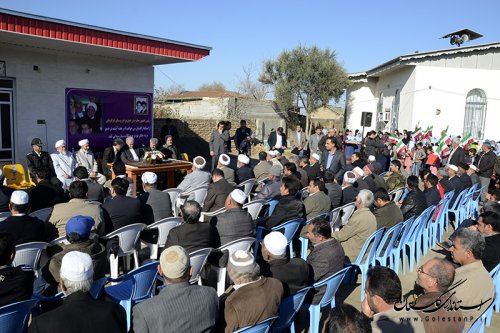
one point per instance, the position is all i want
(134, 169)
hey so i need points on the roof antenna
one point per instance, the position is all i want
(461, 36)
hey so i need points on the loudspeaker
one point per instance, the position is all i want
(366, 119)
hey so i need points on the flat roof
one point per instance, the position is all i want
(39, 31)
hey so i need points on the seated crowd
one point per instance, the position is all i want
(87, 205)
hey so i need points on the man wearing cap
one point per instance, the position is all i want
(196, 178)
(272, 187)
(454, 180)
(121, 210)
(360, 183)
(75, 281)
(192, 234)
(156, 204)
(77, 205)
(180, 306)
(262, 168)
(313, 170)
(111, 155)
(5, 193)
(85, 157)
(288, 206)
(38, 159)
(254, 299)
(243, 172)
(373, 180)
(16, 283)
(223, 164)
(23, 227)
(218, 142)
(64, 163)
(273, 158)
(473, 175)
(463, 176)
(293, 273)
(333, 159)
(349, 192)
(217, 192)
(327, 255)
(78, 230)
(235, 222)
(45, 194)
(277, 140)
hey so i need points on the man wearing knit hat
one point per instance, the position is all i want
(254, 299)
(85, 157)
(76, 280)
(374, 181)
(235, 222)
(223, 164)
(64, 163)
(293, 273)
(271, 188)
(244, 172)
(180, 306)
(349, 192)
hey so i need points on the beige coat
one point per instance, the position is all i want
(64, 211)
(355, 233)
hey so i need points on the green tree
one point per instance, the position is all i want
(307, 77)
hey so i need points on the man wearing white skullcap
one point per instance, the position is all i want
(349, 192)
(243, 307)
(196, 178)
(156, 204)
(273, 154)
(64, 163)
(360, 183)
(85, 157)
(100, 316)
(293, 273)
(455, 181)
(235, 222)
(244, 172)
(223, 164)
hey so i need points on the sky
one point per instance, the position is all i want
(364, 34)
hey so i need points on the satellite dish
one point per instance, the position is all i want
(459, 37)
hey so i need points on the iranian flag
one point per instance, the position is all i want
(445, 137)
(400, 147)
(466, 140)
(428, 132)
(417, 134)
(392, 138)
(443, 150)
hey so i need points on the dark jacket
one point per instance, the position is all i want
(233, 224)
(127, 154)
(193, 236)
(5, 193)
(45, 195)
(373, 146)
(95, 192)
(466, 181)
(349, 195)
(81, 313)
(335, 194)
(313, 171)
(216, 195)
(156, 206)
(361, 184)
(16, 284)
(36, 163)
(109, 156)
(491, 254)
(457, 156)
(287, 208)
(414, 204)
(458, 186)
(486, 164)
(447, 186)
(121, 211)
(244, 173)
(388, 215)
(337, 165)
(271, 141)
(432, 196)
(293, 273)
(24, 228)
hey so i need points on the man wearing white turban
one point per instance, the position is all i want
(85, 157)
(64, 164)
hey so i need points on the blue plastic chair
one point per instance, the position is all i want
(400, 241)
(383, 255)
(272, 203)
(438, 227)
(97, 287)
(289, 308)
(290, 229)
(426, 231)
(413, 241)
(14, 317)
(304, 241)
(262, 327)
(332, 284)
(45, 301)
(455, 209)
(134, 287)
(483, 321)
(366, 259)
(495, 276)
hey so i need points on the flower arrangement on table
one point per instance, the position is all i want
(153, 157)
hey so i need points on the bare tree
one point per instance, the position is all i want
(250, 87)
(214, 86)
(161, 93)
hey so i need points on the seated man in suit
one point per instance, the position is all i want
(121, 210)
(288, 206)
(76, 280)
(131, 154)
(39, 159)
(293, 273)
(463, 175)
(272, 187)
(45, 194)
(17, 282)
(217, 192)
(95, 190)
(111, 155)
(244, 172)
(333, 189)
(349, 192)
(23, 227)
(192, 235)
(262, 168)
(119, 170)
(177, 308)
(317, 202)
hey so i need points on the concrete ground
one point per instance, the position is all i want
(352, 296)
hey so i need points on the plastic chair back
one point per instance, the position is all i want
(332, 285)
(29, 254)
(272, 205)
(289, 308)
(198, 259)
(15, 176)
(164, 226)
(173, 194)
(290, 227)
(403, 233)
(199, 194)
(449, 195)
(4, 215)
(247, 186)
(347, 211)
(14, 317)
(42, 214)
(141, 282)
(396, 194)
(206, 216)
(127, 237)
(387, 243)
(239, 244)
(253, 208)
(335, 220)
(262, 327)
(373, 240)
(59, 240)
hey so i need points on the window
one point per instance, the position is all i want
(475, 113)
(380, 113)
(395, 111)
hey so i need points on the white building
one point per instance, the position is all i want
(41, 58)
(456, 87)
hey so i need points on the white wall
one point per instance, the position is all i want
(41, 95)
(360, 98)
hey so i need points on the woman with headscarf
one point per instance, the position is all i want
(168, 149)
